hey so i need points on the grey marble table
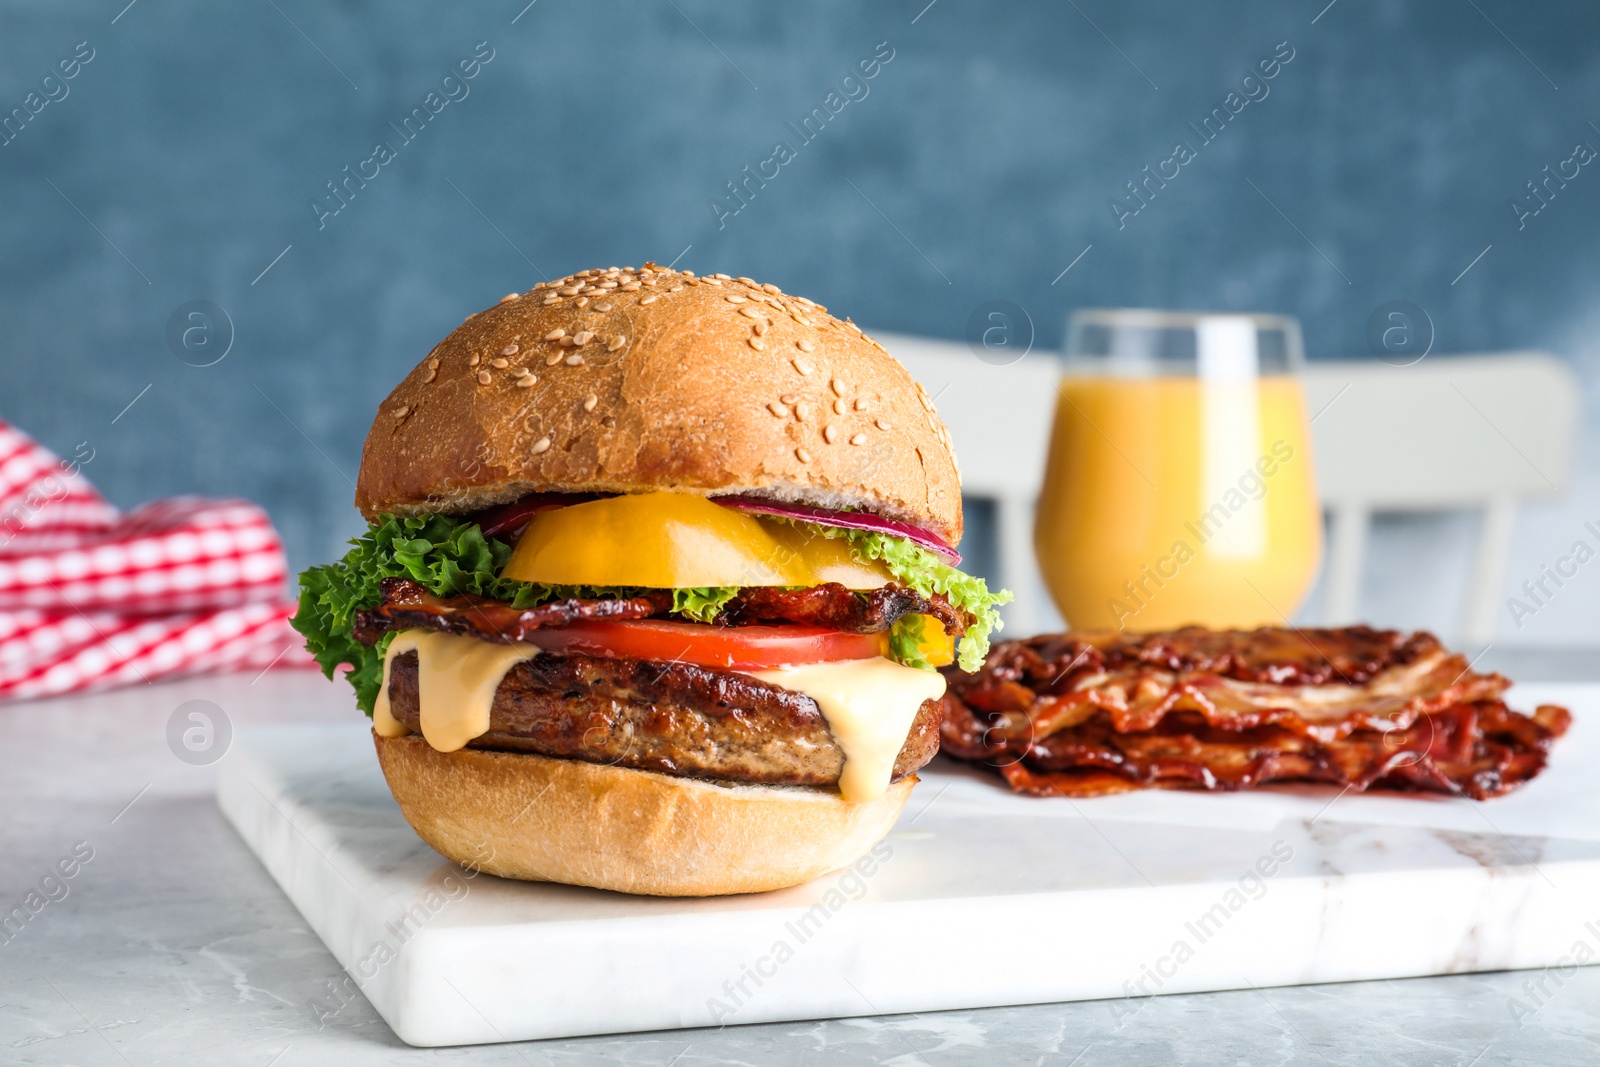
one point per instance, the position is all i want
(169, 944)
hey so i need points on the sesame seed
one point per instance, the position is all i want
(802, 411)
(722, 277)
(882, 424)
(802, 455)
(602, 307)
(552, 359)
(674, 289)
(859, 439)
(862, 404)
(541, 445)
(759, 326)
(750, 313)
(837, 386)
(571, 290)
(829, 433)
(852, 327)
(616, 342)
(499, 363)
(551, 299)
(582, 301)
(687, 273)
(527, 383)
(509, 297)
(801, 365)
(484, 377)
(575, 360)
(838, 406)
(771, 289)
(712, 281)
(556, 334)
(510, 350)
(789, 398)
(805, 346)
(610, 283)
(521, 372)
(922, 396)
(802, 320)
(475, 360)
(751, 282)
(777, 409)
(631, 287)
(590, 402)
(758, 344)
(734, 298)
(402, 411)
(582, 337)
(431, 374)
(651, 299)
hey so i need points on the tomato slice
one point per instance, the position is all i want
(745, 648)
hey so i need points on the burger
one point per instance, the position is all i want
(658, 576)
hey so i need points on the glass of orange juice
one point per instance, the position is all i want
(1179, 486)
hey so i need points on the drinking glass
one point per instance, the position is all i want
(1179, 486)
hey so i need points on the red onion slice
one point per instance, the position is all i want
(507, 520)
(846, 520)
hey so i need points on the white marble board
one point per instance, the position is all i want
(977, 898)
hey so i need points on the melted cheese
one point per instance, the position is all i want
(870, 705)
(456, 680)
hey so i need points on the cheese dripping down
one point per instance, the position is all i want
(456, 682)
(870, 705)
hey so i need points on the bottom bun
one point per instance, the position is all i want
(519, 815)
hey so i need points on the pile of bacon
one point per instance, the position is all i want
(1086, 714)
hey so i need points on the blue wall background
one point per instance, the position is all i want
(187, 153)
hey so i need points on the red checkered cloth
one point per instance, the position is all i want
(92, 598)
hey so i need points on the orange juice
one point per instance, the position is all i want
(1173, 500)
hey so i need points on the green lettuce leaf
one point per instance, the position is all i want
(702, 605)
(905, 642)
(449, 556)
(919, 569)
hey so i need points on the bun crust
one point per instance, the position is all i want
(666, 381)
(535, 818)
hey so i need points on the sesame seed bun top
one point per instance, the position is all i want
(626, 381)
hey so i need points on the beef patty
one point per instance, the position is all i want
(675, 718)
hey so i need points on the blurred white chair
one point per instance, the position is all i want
(999, 420)
(1456, 433)
(1449, 433)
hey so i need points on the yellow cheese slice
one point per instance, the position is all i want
(870, 705)
(679, 541)
(456, 681)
